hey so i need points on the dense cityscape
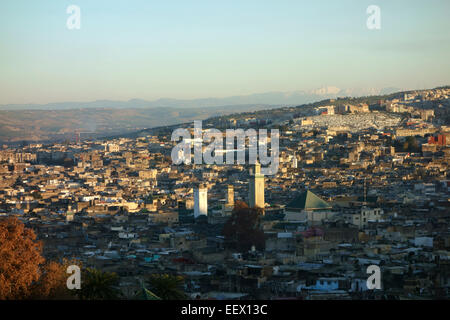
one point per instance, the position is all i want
(360, 182)
(227, 160)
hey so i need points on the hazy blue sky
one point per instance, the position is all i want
(191, 49)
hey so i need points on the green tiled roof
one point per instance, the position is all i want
(308, 200)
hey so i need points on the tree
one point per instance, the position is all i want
(20, 257)
(98, 285)
(167, 287)
(37, 195)
(243, 230)
(420, 173)
(52, 283)
(24, 274)
(411, 145)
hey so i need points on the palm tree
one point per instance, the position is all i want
(145, 294)
(99, 285)
(167, 287)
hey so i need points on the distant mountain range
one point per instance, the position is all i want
(63, 124)
(102, 118)
(269, 98)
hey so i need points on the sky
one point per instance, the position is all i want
(196, 49)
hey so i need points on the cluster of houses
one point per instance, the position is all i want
(342, 200)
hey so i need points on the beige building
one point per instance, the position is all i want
(111, 147)
(361, 218)
(148, 174)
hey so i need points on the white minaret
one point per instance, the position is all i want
(200, 201)
(294, 162)
(256, 187)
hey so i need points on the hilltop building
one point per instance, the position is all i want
(112, 147)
